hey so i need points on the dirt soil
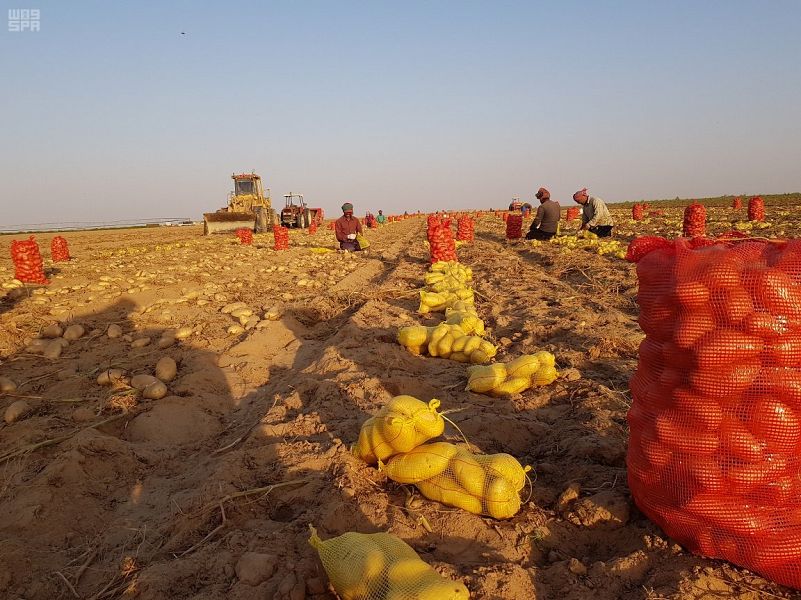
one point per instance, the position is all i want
(208, 493)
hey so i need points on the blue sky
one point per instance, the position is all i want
(110, 113)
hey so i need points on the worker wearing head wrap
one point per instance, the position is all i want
(546, 221)
(346, 227)
(595, 215)
(381, 218)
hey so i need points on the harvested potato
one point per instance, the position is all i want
(140, 342)
(16, 411)
(114, 331)
(110, 376)
(166, 369)
(155, 391)
(7, 385)
(74, 332)
(182, 333)
(236, 329)
(53, 330)
(140, 382)
(166, 341)
(52, 350)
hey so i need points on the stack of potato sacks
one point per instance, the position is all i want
(498, 379)
(459, 337)
(395, 439)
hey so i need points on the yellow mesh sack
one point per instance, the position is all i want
(516, 376)
(400, 426)
(481, 484)
(380, 566)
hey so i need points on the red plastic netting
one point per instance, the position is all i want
(465, 229)
(737, 203)
(637, 212)
(59, 249)
(281, 235)
(313, 228)
(756, 209)
(441, 242)
(715, 446)
(514, 227)
(245, 236)
(28, 267)
(572, 213)
(695, 220)
(332, 226)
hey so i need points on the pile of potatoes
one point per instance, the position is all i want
(247, 319)
(395, 439)
(514, 377)
(448, 288)
(480, 484)
(449, 340)
(152, 387)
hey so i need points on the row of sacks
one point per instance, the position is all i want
(398, 439)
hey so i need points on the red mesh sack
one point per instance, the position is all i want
(465, 229)
(245, 236)
(332, 226)
(695, 220)
(737, 203)
(572, 213)
(28, 267)
(756, 209)
(281, 236)
(442, 244)
(313, 228)
(59, 249)
(514, 227)
(714, 452)
(637, 212)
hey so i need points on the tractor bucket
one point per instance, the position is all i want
(221, 222)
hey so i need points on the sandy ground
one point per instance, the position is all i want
(167, 499)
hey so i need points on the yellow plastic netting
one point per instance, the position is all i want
(448, 340)
(529, 370)
(481, 484)
(401, 425)
(380, 566)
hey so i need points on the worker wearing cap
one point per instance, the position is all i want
(381, 218)
(546, 221)
(595, 216)
(346, 227)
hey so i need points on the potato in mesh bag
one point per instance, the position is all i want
(380, 566)
(481, 484)
(401, 425)
(420, 463)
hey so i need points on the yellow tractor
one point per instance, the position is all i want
(248, 207)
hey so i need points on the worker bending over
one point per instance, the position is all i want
(595, 216)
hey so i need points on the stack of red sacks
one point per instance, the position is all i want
(465, 228)
(572, 213)
(245, 236)
(756, 209)
(715, 420)
(28, 266)
(281, 235)
(59, 250)
(694, 220)
(514, 227)
(637, 212)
